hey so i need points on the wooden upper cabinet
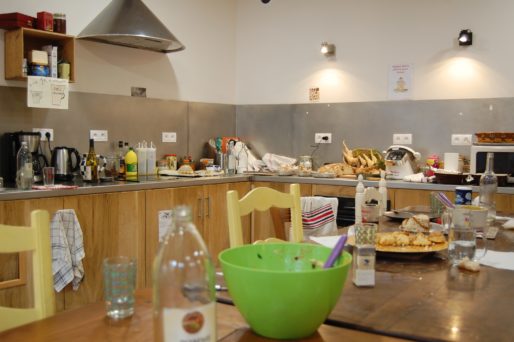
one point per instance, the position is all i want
(20, 41)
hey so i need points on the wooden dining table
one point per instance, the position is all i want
(90, 323)
(421, 297)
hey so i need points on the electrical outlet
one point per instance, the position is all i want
(43, 132)
(169, 137)
(402, 139)
(318, 138)
(98, 135)
(462, 139)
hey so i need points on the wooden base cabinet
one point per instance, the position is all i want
(208, 203)
(112, 224)
(18, 213)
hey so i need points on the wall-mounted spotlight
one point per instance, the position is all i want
(465, 37)
(328, 49)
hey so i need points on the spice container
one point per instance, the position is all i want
(305, 166)
(60, 23)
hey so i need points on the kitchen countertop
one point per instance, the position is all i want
(173, 182)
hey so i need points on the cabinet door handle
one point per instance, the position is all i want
(200, 207)
(208, 206)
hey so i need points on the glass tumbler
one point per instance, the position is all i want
(119, 285)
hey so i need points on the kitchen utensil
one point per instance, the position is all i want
(336, 252)
(280, 288)
(400, 161)
(62, 160)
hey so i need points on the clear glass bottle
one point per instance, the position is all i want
(231, 155)
(183, 284)
(91, 174)
(121, 161)
(24, 168)
(488, 187)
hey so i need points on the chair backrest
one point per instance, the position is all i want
(35, 238)
(261, 199)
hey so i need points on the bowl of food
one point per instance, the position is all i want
(282, 289)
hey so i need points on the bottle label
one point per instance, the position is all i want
(190, 325)
(87, 173)
(132, 167)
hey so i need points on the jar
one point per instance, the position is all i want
(60, 23)
(304, 166)
(171, 159)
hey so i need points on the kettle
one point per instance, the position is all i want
(62, 162)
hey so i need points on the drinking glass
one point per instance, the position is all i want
(119, 285)
(462, 235)
(48, 175)
(365, 234)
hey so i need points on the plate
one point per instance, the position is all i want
(403, 214)
(177, 174)
(323, 175)
(404, 249)
(285, 173)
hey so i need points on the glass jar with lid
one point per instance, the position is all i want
(60, 23)
(304, 166)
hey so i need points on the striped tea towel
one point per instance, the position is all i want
(67, 249)
(319, 215)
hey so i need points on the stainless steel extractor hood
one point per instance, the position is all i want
(130, 23)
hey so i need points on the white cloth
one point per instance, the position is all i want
(67, 249)
(319, 215)
(274, 161)
(509, 224)
(503, 260)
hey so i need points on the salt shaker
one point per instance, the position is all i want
(363, 266)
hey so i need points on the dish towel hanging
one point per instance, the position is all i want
(67, 249)
(319, 215)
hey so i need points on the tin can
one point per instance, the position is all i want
(463, 195)
(45, 21)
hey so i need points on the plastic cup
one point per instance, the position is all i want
(119, 285)
(48, 175)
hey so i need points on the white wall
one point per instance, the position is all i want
(245, 52)
(278, 45)
(203, 72)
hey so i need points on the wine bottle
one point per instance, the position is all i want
(131, 165)
(121, 161)
(91, 174)
(183, 284)
(24, 168)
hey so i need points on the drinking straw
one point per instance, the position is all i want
(444, 200)
(336, 251)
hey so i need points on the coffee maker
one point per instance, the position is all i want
(10, 145)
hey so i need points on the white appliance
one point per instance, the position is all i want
(400, 161)
(503, 159)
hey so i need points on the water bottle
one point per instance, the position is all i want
(231, 155)
(488, 187)
(183, 284)
(24, 169)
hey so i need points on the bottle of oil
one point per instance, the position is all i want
(131, 165)
(91, 174)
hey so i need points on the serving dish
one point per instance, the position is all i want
(404, 249)
(323, 175)
(402, 214)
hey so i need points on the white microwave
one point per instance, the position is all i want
(503, 158)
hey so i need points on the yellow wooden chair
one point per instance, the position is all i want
(261, 199)
(35, 238)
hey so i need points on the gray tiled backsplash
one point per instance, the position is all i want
(281, 129)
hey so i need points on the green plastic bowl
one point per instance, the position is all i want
(280, 289)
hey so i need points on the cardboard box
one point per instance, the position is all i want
(16, 20)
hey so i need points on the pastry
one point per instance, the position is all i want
(416, 223)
